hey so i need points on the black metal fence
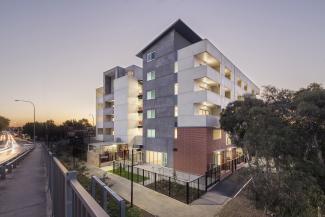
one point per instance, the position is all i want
(182, 190)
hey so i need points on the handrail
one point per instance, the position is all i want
(91, 205)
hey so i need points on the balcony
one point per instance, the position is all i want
(206, 96)
(108, 138)
(138, 140)
(198, 121)
(140, 124)
(108, 124)
(109, 97)
(108, 111)
(140, 109)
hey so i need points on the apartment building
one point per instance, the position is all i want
(186, 83)
(119, 106)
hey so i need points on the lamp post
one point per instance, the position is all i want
(132, 163)
(30, 102)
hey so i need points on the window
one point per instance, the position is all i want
(175, 133)
(175, 67)
(228, 140)
(253, 92)
(176, 89)
(216, 134)
(239, 83)
(151, 75)
(204, 110)
(176, 111)
(151, 56)
(151, 133)
(228, 94)
(151, 94)
(151, 113)
(228, 73)
(100, 131)
(245, 87)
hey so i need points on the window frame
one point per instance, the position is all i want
(151, 56)
(152, 113)
(151, 133)
(152, 75)
(151, 97)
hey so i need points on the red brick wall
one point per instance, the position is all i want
(194, 149)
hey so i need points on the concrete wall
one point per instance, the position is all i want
(164, 104)
(126, 116)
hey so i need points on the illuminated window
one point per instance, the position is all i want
(176, 89)
(228, 94)
(176, 67)
(216, 134)
(151, 133)
(239, 83)
(228, 140)
(151, 56)
(175, 133)
(228, 73)
(176, 111)
(151, 75)
(151, 94)
(151, 113)
(204, 110)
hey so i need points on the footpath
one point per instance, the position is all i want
(23, 192)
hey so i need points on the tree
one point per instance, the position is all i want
(4, 123)
(283, 135)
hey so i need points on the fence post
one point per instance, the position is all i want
(68, 192)
(122, 208)
(128, 172)
(113, 166)
(169, 186)
(206, 181)
(104, 197)
(155, 181)
(143, 177)
(120, 169)
(187, 193)
(2, 172)
(93, 187)
(138, 174)
(198, 188)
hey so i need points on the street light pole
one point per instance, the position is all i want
(18, 100)
(132, 178)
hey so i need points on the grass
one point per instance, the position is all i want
(177, 191)
(124, 173)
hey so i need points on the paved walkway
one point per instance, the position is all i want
(23, 193)
(154, 202)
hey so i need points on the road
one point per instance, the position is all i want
(9, 148)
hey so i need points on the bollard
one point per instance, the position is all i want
(2, 172)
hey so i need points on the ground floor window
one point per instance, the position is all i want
(158, 158)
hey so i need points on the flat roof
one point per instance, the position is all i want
(180, 27)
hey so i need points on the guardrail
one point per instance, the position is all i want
(7, 166)
(69, 198)
(107, 198)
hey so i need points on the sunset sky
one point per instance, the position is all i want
(54, 52)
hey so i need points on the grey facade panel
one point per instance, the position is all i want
(165, 101)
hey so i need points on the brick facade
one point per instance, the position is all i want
(194, 148)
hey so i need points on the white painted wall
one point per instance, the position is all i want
(126, 117)
(188, 94)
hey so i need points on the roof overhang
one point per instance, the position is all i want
(180, 27)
